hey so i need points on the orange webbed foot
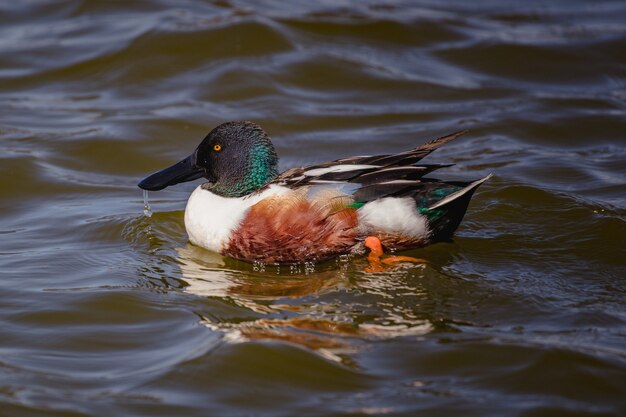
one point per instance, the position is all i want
(376, 251)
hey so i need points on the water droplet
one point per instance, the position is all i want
(309, 268)
(258, 266)
(147, 211)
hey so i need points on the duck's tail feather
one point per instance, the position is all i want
(469, 188)
(445, 215)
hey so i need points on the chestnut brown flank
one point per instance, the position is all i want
(293, 229)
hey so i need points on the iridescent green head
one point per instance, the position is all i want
(237, 158)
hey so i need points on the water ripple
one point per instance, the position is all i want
(108, 312)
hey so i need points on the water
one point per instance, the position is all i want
(147, 211)
(107, 311)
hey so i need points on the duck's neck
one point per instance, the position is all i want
(262, 169)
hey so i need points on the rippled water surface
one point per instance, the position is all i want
(107, 312)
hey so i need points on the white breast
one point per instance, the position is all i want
(210, 219)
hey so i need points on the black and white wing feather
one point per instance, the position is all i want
(368, 170)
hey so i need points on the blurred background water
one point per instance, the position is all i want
(106, 312)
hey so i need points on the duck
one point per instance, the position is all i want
(246, 209)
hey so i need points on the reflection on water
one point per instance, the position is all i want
(328, 328)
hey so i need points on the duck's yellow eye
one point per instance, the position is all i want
(217, 147)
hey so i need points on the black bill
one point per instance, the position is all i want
(183, 171)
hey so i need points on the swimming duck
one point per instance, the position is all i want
(249, 211)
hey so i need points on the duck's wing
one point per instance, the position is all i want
(368, 169)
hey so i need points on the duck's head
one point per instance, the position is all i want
(237, 158)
